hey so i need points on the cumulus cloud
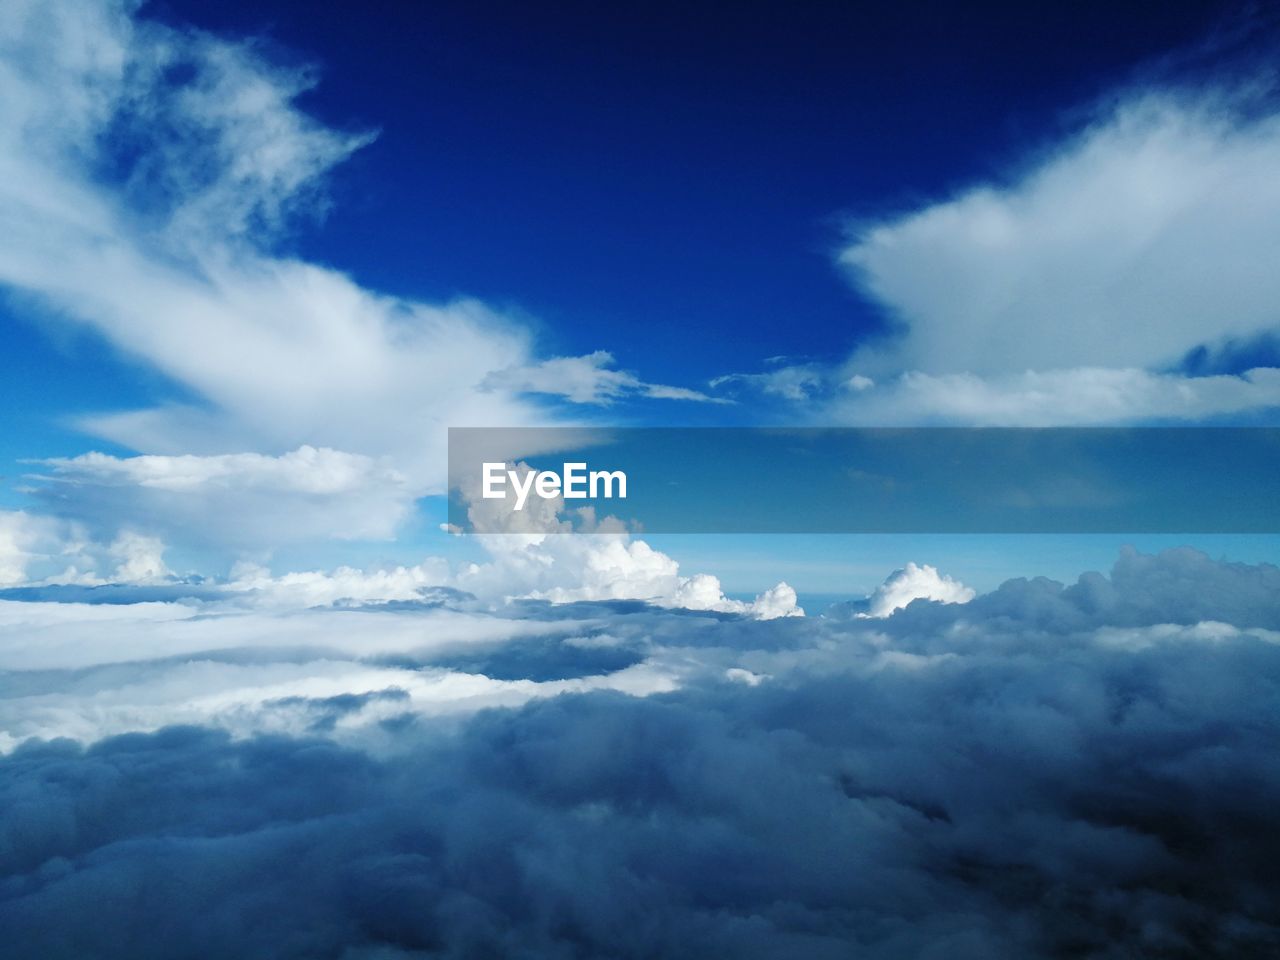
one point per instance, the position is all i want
(139, 558)
(605, 566)
(47, 550)
(916, 582)
(233, 500)
(546, 552)
(18, 531)
(1046, 770)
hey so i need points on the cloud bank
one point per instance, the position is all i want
(1043, 771)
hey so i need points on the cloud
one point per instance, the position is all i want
(1082, 396)
(315, 588)
(247, 501)
(149, 178)
(916, 582)
(586, 379)
(48, 550)
(250, 669)
(1142, 237)
(791, 382)
(18, 531)
(148, 172)
(547, 552)
(1042, 771)
(571, 568)
(140, 559)
(1077, 397)
(1122, 274)
(250, 502)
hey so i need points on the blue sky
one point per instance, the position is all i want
(284, 231)
(257, 259)
(634, 178)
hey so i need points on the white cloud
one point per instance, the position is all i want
(15, 543)
(246, 501)
(1069, 293)
(215, 663)
(1079, 397)
(147, 174)
(139, 558)
(586, 379)
(569, 568)
(314, 588)
(1152, 231)
(42, 549)
(168, 258)
(1046, 768)
(217, 499)
(916, 582)
(791, 382)
(535, 554)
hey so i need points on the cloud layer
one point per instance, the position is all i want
(247, 501)
(1043, 771)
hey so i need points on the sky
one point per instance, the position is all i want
(258, 700)
(278, 231)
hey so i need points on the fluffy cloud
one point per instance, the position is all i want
(558, 569)
(1145, 236)
(17, 533)
(916, 582)
(605, 566)
(1105, 281)
(42, 549)
(139, 558)
(1045, 770)
(546, 552)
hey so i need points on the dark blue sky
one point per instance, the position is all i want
(668, 180)
(668, 183)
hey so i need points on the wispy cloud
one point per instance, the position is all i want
(148, 176)
(587, 379)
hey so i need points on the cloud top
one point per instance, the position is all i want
(1043, 770)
